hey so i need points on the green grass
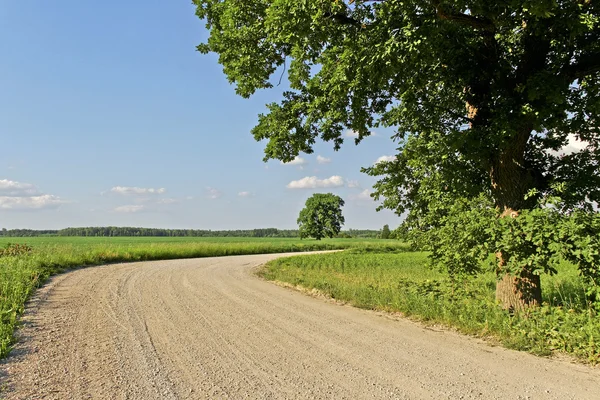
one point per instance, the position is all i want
(21, 275)
(399, 282)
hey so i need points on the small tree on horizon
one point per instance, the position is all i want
(385, 232)
(321, 217)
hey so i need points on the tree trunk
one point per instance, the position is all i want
(516, 293)
(510, 183)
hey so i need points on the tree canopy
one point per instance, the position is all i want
(322, 216)
(483, 94)
(491, 85)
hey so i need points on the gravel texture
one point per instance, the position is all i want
(209, 329)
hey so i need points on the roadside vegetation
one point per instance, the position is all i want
(25, 266)
(395, 280)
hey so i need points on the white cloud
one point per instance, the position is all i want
(13, 188)
(296, 161)
(244, 194)
(44, 201)
(573, 146)
(352, 184)
(312, 182)
(364, 195)
(25, 196)
(130, 208)
(323, 160)
(353, 134)
(384, 158)
(213, 193)
(129, 190)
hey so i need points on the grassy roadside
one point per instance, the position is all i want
(21, 275)
(400, 282)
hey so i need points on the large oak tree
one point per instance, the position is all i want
(483, 94)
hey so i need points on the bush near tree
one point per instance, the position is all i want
(483, 95)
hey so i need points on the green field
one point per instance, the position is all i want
(399, 282)
(374, 274)
(21, 275)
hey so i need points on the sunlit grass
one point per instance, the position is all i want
(400, 282)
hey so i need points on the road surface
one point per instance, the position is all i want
(208, 328)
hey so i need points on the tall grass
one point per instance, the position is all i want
(400, 282)
(20, 275)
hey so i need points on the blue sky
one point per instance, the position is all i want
(109, 116)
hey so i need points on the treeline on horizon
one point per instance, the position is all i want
(109, 231)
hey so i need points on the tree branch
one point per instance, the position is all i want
(585, 66)
(483, 24)
(342, 19)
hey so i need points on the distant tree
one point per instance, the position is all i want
(321, 216)
(385, 232)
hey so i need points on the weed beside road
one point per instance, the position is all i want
(398, 281)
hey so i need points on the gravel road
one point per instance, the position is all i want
(209, 329)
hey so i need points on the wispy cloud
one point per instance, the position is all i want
(244, 194)
(213, 193)
(167, 201)
(296, 161)
(136, 191)
(130, 208)
(362, 196)
(14, 188)
(323, 160)
(312, 182)
(352, 184)
(25, 196)
(45, 201)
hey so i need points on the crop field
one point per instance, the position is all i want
(399, 281)
(25, 268)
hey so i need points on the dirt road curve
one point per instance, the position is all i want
(207, 328)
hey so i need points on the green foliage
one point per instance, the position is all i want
(321, 217)
(399, 281)
(468, 231)
(459, 240)
(540, 238)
